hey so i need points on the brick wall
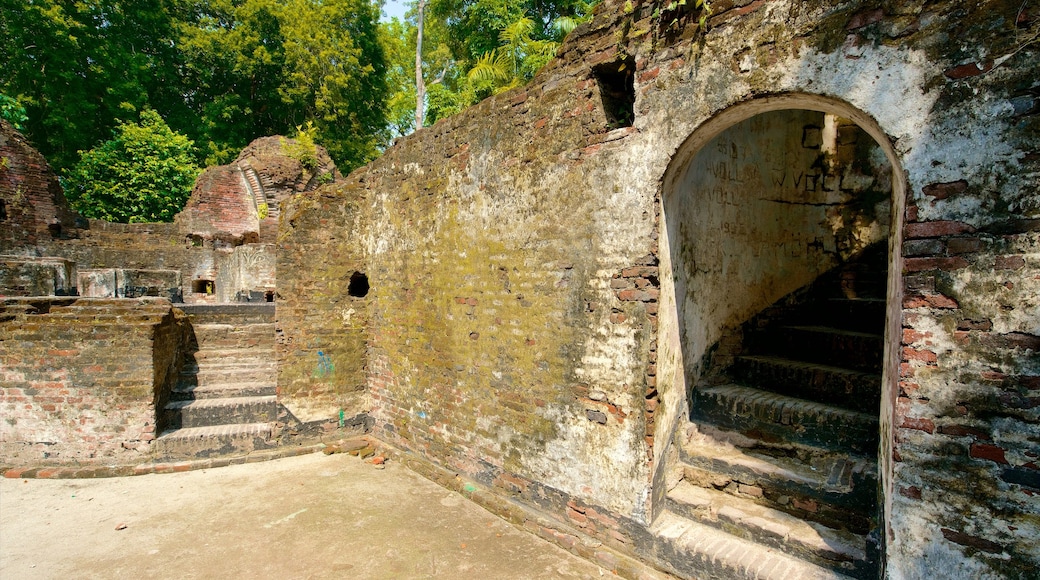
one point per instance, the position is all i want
(82, 378)
(32, 205)
(323, 308)
(518, 333)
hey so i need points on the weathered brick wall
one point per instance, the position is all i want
(222, 205)
(322, 327)
(82, 378)
(513, 253)
(32, 205)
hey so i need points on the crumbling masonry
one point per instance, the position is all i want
(760, 299)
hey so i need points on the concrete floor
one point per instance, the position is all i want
(313, 516)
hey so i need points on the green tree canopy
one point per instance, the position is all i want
(78, 67)
(144, 173)
(262, 67)
(475, 48)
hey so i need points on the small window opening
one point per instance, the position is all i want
(617, 90)
(202, 286)
(269, 296)
(3, 210)
(358, 285)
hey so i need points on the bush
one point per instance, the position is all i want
(144, 173)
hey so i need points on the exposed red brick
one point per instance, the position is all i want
(984, 324)
(911, 492)
(972, 541)
(911, 336)
(1012, 340)
(865, 18)
(967, 70)
(963, 431)
(1009, 262)
(944, 264)
(649, 75)
(932, 301)
(913, 354)
(988, 452)
(808, 505)
(963, 245)
(918, 424)
(945, 190)
(936, 229)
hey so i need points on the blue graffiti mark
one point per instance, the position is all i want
(422, 414)
(325, 366)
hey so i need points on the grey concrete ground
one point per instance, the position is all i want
(313, 516)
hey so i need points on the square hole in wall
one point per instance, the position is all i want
(617, 91)
(203, 286)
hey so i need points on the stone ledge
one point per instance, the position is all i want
(91, 472)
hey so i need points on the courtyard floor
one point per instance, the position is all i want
(312, 516)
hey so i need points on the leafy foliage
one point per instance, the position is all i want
(13, 112)
(476, 48)
(144, 173)
(223, 72)
(262, 67)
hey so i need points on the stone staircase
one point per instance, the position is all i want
(225, 399)
(782, 444)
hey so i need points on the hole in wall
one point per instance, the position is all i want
(203, 286)
(269, 296)
(3, 210)
(358, 287)
(617, 91)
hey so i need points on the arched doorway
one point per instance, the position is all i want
(781, 219)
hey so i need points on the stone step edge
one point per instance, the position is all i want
(220, 402)
(741, 558)
(214, 388)
(767, 525)
(802, 365)
(740, 462)
(731, 391)
(94, 472)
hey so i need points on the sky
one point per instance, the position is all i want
(395, 8)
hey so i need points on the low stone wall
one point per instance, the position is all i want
(81, 378)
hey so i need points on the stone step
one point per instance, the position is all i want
(228, 363)
(771, 417)
(235, 339)
(224, 391)
(202, 442)
(231, 374)
(832, 488)
(822, 344)
(230, 313)
(701, 551)
(841, 551)
(851, 389)
(220, 411)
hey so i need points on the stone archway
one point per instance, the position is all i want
(763, 206)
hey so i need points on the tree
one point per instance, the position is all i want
(262, 67)
(79, 67)
(144, 173)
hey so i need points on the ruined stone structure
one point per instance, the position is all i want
(755, 300)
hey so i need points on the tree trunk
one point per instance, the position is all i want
(420, 84)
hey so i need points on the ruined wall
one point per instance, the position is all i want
(81, 378)
(222, 205)
(32, 206)
(513, 253)
(323, 311)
